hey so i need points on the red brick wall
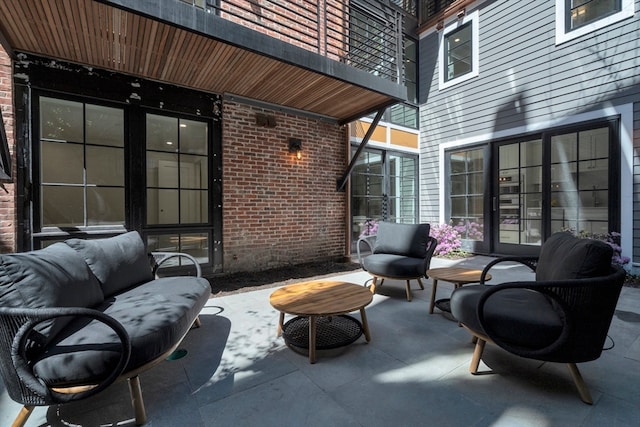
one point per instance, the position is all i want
(7, 194)
(279, 210)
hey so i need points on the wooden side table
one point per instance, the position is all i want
(314, 299)
(456, 275)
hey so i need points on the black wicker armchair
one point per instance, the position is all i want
(563, 316)
(398, 251)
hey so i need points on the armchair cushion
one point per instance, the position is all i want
(402, 239)
(580, 258)
(55, 276)
(509, 315)
(389, 265)
(118, 262)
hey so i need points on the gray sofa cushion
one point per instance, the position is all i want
(118, 262)
(52, 277)
(402, 239)
(394, 266)
(564, 256)
(156, 315)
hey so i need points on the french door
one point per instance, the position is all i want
(564, 179)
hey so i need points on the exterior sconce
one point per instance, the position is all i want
(295, 147)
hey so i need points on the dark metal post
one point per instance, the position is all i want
(343, 180)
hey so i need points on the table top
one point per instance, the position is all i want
(320, 298)
(456, 274)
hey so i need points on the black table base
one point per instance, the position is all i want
(331, 331)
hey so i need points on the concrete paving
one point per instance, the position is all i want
(414, 372)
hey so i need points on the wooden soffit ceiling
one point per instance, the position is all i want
(101, 35)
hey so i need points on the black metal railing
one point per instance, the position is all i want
(366, 34)
(430, 8)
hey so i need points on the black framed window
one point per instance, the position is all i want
(81, 164)
(466, 195)
(384, 187)
(458, 52)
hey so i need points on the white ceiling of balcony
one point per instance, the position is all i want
(102, 36)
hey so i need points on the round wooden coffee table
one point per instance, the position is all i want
(456, 275)
(322, 298)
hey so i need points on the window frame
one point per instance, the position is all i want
(627, 10)
(41, 231)
(472, 19)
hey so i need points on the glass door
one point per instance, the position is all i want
(517, 206)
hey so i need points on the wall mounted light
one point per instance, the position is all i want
(295, 147)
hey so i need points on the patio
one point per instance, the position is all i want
(413, 372)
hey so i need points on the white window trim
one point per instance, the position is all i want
(562, 35)
(475, 54)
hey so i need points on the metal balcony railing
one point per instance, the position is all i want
(366, 34)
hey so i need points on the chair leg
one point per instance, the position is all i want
(136, 400)
(585, 396)
(197, 323)
(420, 283)
(372, 288)
(22, 417)
(409, 297)
(477, 355)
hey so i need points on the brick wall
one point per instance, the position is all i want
(7, 194)
(279, 210)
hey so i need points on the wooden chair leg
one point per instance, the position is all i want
(477, 355)
(22, 417)
(585, 396)
(136, 400)
(372, 288)
(420, 283)
(197, 323)
(409, 297)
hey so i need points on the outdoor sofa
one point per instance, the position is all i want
(78, 315)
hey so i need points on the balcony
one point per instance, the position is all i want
(332, 58)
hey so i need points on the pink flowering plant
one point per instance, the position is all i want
(470, 230)
(449, 241)
(612, 239)
(370, 228)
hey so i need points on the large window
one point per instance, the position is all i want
(177, 185)
(89, 179)
(177, 171)
(575, 18)
(81, 164)
(459, 53)
(580, 181)
(384, 187)
(466, 169)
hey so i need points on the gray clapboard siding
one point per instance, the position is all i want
(636, 182)
(568, 77)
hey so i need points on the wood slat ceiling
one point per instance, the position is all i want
(101, 36)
